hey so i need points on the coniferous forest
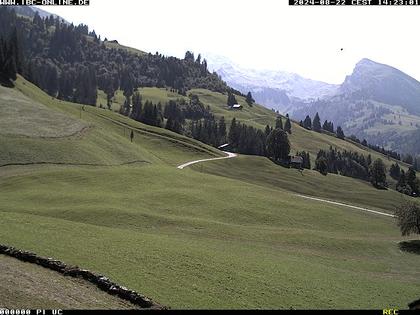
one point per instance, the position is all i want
(70, 62)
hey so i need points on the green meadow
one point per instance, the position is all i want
(223, 234)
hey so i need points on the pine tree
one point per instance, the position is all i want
(412, 181)
(231, 100)
(395, 171)
(125, 108)
(340, 133)
(279, 123)
(402, 186)
(267, 130)
(316, 124)
(278, 145)
(378, 174)
(233, 133)
(249, 99)
(288, 126)
(137, 106)
(52, 80)
(307, 123)
(321, 165)
(222, 129)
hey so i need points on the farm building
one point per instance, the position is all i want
(296, 161)
(236, 106)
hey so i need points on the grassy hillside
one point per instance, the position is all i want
(116, 45)
(261, 171)
(30, 285)
(257, 116)
(237, 238)
(193, 240)
(105, 141)
(301, 138)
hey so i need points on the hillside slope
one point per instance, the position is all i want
(31, 286)
(189, 239)
(376, 102)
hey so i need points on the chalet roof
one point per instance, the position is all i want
(296, 159)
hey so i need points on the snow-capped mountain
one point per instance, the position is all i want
(275, 89)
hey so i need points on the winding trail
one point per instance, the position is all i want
(229, 156)
(233, 155)
(345, 205)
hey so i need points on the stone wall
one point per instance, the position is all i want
(100, 281)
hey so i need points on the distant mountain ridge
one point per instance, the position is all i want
(377, 102)
(384, 84)
(274, 89)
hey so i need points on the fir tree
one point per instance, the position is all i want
(278, 145)
(307, 123)
(288, 126)
(249, 99)
(279, 123)
(316, 124)
(378, 174)
(340, 133)
(231, 100)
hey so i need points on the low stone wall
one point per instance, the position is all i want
(100, 281)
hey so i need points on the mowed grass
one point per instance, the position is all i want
(105, 141)
(155, 95)
(32, 286)
(35, 119)
(189, 239)
(261, 171)
(193, 240)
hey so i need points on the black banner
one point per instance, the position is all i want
(44, 2)
(140, 311)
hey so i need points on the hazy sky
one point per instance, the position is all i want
(261, 34)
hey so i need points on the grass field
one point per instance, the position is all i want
(226, 234)
(258, 117)
(193, 240)
(261, 171)
(35, 119)
(33, 286)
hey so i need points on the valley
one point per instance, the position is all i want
(376, 102)
(227, 233)
(154, 172)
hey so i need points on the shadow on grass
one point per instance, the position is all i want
(410, 246)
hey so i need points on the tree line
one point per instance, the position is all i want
(328, 126)
(191, 118)
(351, 164)
(407, 182)
(9, 58)
(71, 63)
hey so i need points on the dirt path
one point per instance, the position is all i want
(233, 155)
(229, 156)
(345, 205)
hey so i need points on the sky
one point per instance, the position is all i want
(261, 34)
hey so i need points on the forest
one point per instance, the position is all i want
(71, 62)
